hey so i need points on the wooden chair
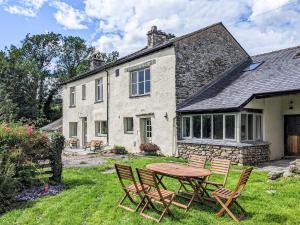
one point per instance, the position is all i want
(218, 167)
(195, 161)
(125, 174)
(230, 197)
(154, 194)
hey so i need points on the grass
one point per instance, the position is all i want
(91, 198)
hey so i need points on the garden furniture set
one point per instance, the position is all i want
(197, 184)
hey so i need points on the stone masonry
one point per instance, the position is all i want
(202, 57)
(242, 154)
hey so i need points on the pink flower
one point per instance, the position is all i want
(29, 130)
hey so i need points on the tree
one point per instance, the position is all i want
(107, 57)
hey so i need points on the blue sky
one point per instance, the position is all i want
(259, 25)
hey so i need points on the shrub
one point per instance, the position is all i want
(57, 146)
(119, 149)
(9, 185)
(149, 148)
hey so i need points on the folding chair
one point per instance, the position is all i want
(125, 174)
(195, 161)
(230, 197)
(218, 167)
(154, 194)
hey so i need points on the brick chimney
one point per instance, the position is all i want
(96, 62)
(155, 37)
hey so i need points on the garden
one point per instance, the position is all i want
(30, 163)
(91, 196)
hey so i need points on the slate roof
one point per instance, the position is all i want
(278, 74)
(140, 53)
(54, 126)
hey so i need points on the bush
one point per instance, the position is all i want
(149, 148)
(119, 149)
(9, 185)
(57, 146)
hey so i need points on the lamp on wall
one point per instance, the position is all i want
(291, 105)
(166, 116)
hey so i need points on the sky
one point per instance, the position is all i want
(258, 25)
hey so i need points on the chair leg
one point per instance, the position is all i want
(166, 210)
(225, 208)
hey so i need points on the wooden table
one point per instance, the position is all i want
(181, 172)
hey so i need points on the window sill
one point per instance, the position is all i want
(140, 96)
(72, 106)
(128, 132)
(96, 102)
(101, 135)
(221, 142)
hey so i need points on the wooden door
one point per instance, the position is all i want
(292, 135)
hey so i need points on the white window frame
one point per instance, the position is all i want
(83, 92)
(99, 84)
(253, 127)
(212, 124)
(126, 131)
(73, 96)
(73, 136)
(100, 134)
(138, 81)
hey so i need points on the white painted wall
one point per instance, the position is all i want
(274, 109)
(160, 102)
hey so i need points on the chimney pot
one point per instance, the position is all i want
(96, 62)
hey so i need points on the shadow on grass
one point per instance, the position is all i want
(275, 218)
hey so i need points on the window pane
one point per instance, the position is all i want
(141, 76)
(250, 127)
(243, 127)
(134, 77)
(258, 128)
(83, 92)
(218, 126)
(147, 87)
(103, 127)
(72, 129)
(206, 119)
(197, 126)
(230, 127)
(134, 89)
(97, 128)
(128, 123)
(147, 74)
(186, 127)
(141, 88)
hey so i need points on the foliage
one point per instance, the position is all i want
(149, 148)
(119, 149)
(30, 75)
(170, 36)
(8, 183)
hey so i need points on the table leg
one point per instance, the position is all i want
(159, 180)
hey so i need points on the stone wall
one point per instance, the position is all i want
(202, 57)
(245, 155)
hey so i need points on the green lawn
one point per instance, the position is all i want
(91, 198)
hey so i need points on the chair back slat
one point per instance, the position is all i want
(243, 180)
(220, 166)
(197, 161)
(147, 177)
(124, 173)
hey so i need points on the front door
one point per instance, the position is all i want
(146, 130)
(292, 135)
(84, 131)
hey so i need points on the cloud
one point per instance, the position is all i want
(258, 25)
(69, 17)
(29, 8)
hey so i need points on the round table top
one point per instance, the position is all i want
(178, 170)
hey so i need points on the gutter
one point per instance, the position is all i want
(107, 106)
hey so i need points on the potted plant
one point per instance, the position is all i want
(149, 148)
(119, 150)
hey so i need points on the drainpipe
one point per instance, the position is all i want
(107, 106)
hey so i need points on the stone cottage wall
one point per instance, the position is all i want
(202, 57)
(245, 155)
